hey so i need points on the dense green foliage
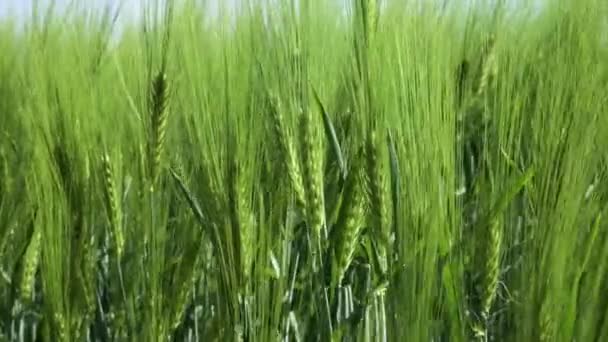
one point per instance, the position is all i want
(402, 172)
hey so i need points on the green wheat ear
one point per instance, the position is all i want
(159, 112)
(113, 205)
(371, 19)
(31, 260)
(312, 160)
(378, 196)
(240, 216)
(489, 66)
(345, 235)
(488, 250)
(288, 151)
(368, 12)
(546, 322)
(491, 268)
(4, 174)
(60, 327)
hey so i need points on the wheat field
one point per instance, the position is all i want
(306, 171)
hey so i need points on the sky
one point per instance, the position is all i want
(21, 9)
(130, 9)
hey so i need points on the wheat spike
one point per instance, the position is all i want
(547, 326)
(159, 112)
(491, 269)
(185, 292)
(112, 205)
(487, 257)
(61, 327)
(288, 151)
(371, 19)
(479, 331)
(489, 67)
(240, 216)
(31, 259)
(378, 194)
(367, 13)
(313, 172)
(4, 174)
(349, 222)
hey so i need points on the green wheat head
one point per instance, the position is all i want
(288, 152)
(159, 113)
(312, 161)
(30, 262)
(489, 66)
(113, 208)
(378, 196)
(346, 232)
